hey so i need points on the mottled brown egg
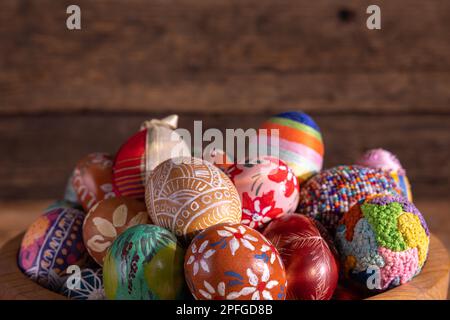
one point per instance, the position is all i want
(107, 219)
(187, 195)
(92, 179)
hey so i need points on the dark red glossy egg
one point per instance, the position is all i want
(311, 267)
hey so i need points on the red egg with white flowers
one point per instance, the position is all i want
(311, 267)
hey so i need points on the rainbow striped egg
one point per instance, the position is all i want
(300, 142)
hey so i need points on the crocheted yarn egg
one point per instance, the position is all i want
(144, 263)
(383, 242)
(387, 161)
(267, 187)
(90, 286)
(51, 244)
(331, 193)
(300, 142)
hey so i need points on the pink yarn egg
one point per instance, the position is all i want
(267, 187)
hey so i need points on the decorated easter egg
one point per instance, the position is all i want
(92, 179)
(144, 263)
(267, 187)
(383, 242)
(299, 142)
(387, 161)
(311, 268)
(51, 244)
(234, 262)
(87, 285)
(187, 195)
(331, 193)
(109, 218)
(156, 142)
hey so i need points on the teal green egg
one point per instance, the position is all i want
(144, 263)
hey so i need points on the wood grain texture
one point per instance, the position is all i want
(430, 284)
(215, 56)
(43, 150)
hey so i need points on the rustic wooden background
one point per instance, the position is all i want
(230, 63)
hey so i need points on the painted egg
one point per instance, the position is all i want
(267, 187)
(139, 155)
(331, 193)
(109, 218)
(144, 263)
(234, 262)
(187, 195)
(383, 242)
(51, 244)
(311, 268)
(299, 142)
(387, 161)
(88, 285)
(92, 179)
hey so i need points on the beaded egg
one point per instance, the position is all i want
(309, 259)
(92, 179)
(145, 262)
(234, 262)
(156, 142)
(331, 193)
(51, 244)
(387, 161)
(89, 286)
(299, 141)
(383, 242)
(267, 187)
(187, 195)
(109, 218)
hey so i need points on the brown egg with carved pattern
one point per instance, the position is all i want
(107, 220)
(92, 179)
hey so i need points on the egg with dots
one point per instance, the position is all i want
(145, 262)
(108, 219)
(234, 262)
(52, 243)
(383, 242)
(187, 195)
(267, 187)
(330, 193)
(311, 266)
(387, 161)
(156, 142)
(299, 142)
(92, 179)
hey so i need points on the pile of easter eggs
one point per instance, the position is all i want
(152, 222)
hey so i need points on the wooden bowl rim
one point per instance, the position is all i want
(431, 283)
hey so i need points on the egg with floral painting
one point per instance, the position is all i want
(92, 179)
(108, 219)
(234, 262)
(267, 188)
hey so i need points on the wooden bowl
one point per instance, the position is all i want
(431, 283)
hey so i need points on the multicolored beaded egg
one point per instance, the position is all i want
(331, 193)
(145, 262)
(234, 262)
(299, 140)
(383, 242)
(387, 161)
(51, 244)
(267, 187)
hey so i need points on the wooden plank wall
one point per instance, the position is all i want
(231, 63)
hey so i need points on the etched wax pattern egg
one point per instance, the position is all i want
(109, 218)
(187, 195)
(234, 262)
(92, 179)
